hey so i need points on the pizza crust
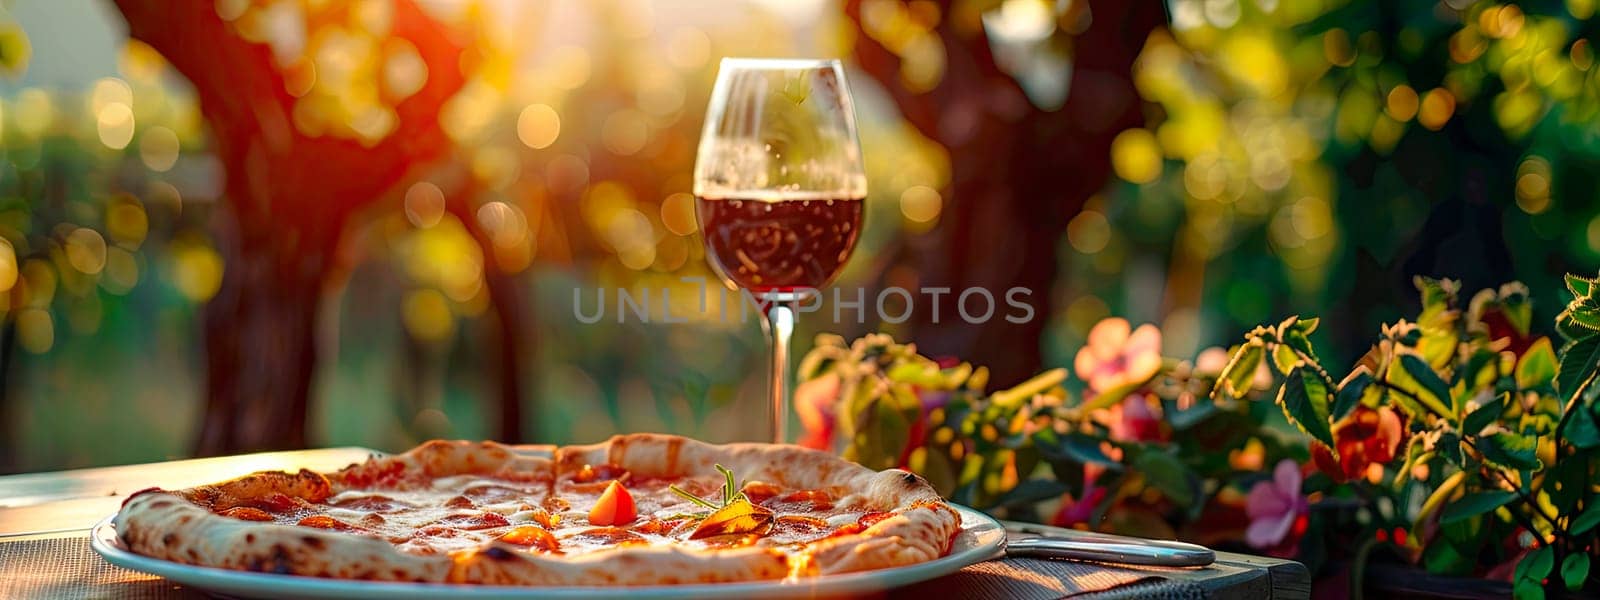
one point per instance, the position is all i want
(181, 526)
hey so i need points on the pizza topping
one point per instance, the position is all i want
(373, 502)
(802, 501)
(738, 517)
(656, 526)
(606, 536)
(492, 494)
(434, 531)
(278, 502)
(798, 528)
(872, 518)
(473, 521)
(759, 491)
(477, 509)
(537, 515)
(730, 493)
(531, 537)
(615, 507)
(247, 513)
(327, 522)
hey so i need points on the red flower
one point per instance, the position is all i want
(1078, 511)
(814, 402)
(1364, 437)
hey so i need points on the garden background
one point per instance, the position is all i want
(391, 251)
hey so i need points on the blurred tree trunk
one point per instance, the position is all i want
(506, 340)
(288, 198)
(1018, 173)
(260, 332)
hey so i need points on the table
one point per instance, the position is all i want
(44, 553)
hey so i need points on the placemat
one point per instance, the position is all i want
(64, 567)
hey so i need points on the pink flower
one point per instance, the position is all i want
(813, 402)
(1276, 511)
(1078, 512)
(1132, 420)
(1211, 361)
(1114, 357)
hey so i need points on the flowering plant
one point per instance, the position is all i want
(1462, 442)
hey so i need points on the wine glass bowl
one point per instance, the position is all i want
(779, 245)
(779, 188)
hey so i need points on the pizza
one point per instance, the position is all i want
(641, 509)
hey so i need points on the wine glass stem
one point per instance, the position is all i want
(780, 324)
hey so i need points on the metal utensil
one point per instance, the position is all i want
(1051, 543)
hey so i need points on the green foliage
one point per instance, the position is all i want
(1450, 420)
(1305, 402)
(900, 409)
(1532, 569)
(1450, 373)
(1165, 472)
(1475, 504)
(1537, 366)
(1574, 570)
(1510, 451)
(1580, 357)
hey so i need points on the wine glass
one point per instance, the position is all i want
(778, 187)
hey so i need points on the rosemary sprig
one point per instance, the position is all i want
(732, 491)
(693, 498)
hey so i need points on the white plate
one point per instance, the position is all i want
(981, 538)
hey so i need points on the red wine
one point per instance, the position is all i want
(767, 245)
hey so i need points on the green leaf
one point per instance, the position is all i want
(1417, 378)
(1165, 473)
(883, 433)
(1583, 312)
(1031, 491)
(1235, 378)
(1536, 564)
(1350, 392)
(1515, 306)
(1483, 416)
(1510, 450)
(1580, 286)
(1472, 505)
(1305, 326)
(1284, 359)
(1537, 366)
(1305, 401)
(1438, 295)
(1581, 429)
(1479, 370)
(1526, 589)
(1181, 420)
(1587, 520)
(1449, 446)
(1574, 570)
(1578, 361)
(938, 470)
(1296, 335)
(1072, 447)
(1570, 329)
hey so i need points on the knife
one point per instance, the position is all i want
(1035, 541)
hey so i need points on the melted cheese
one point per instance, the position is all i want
(456, 513)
